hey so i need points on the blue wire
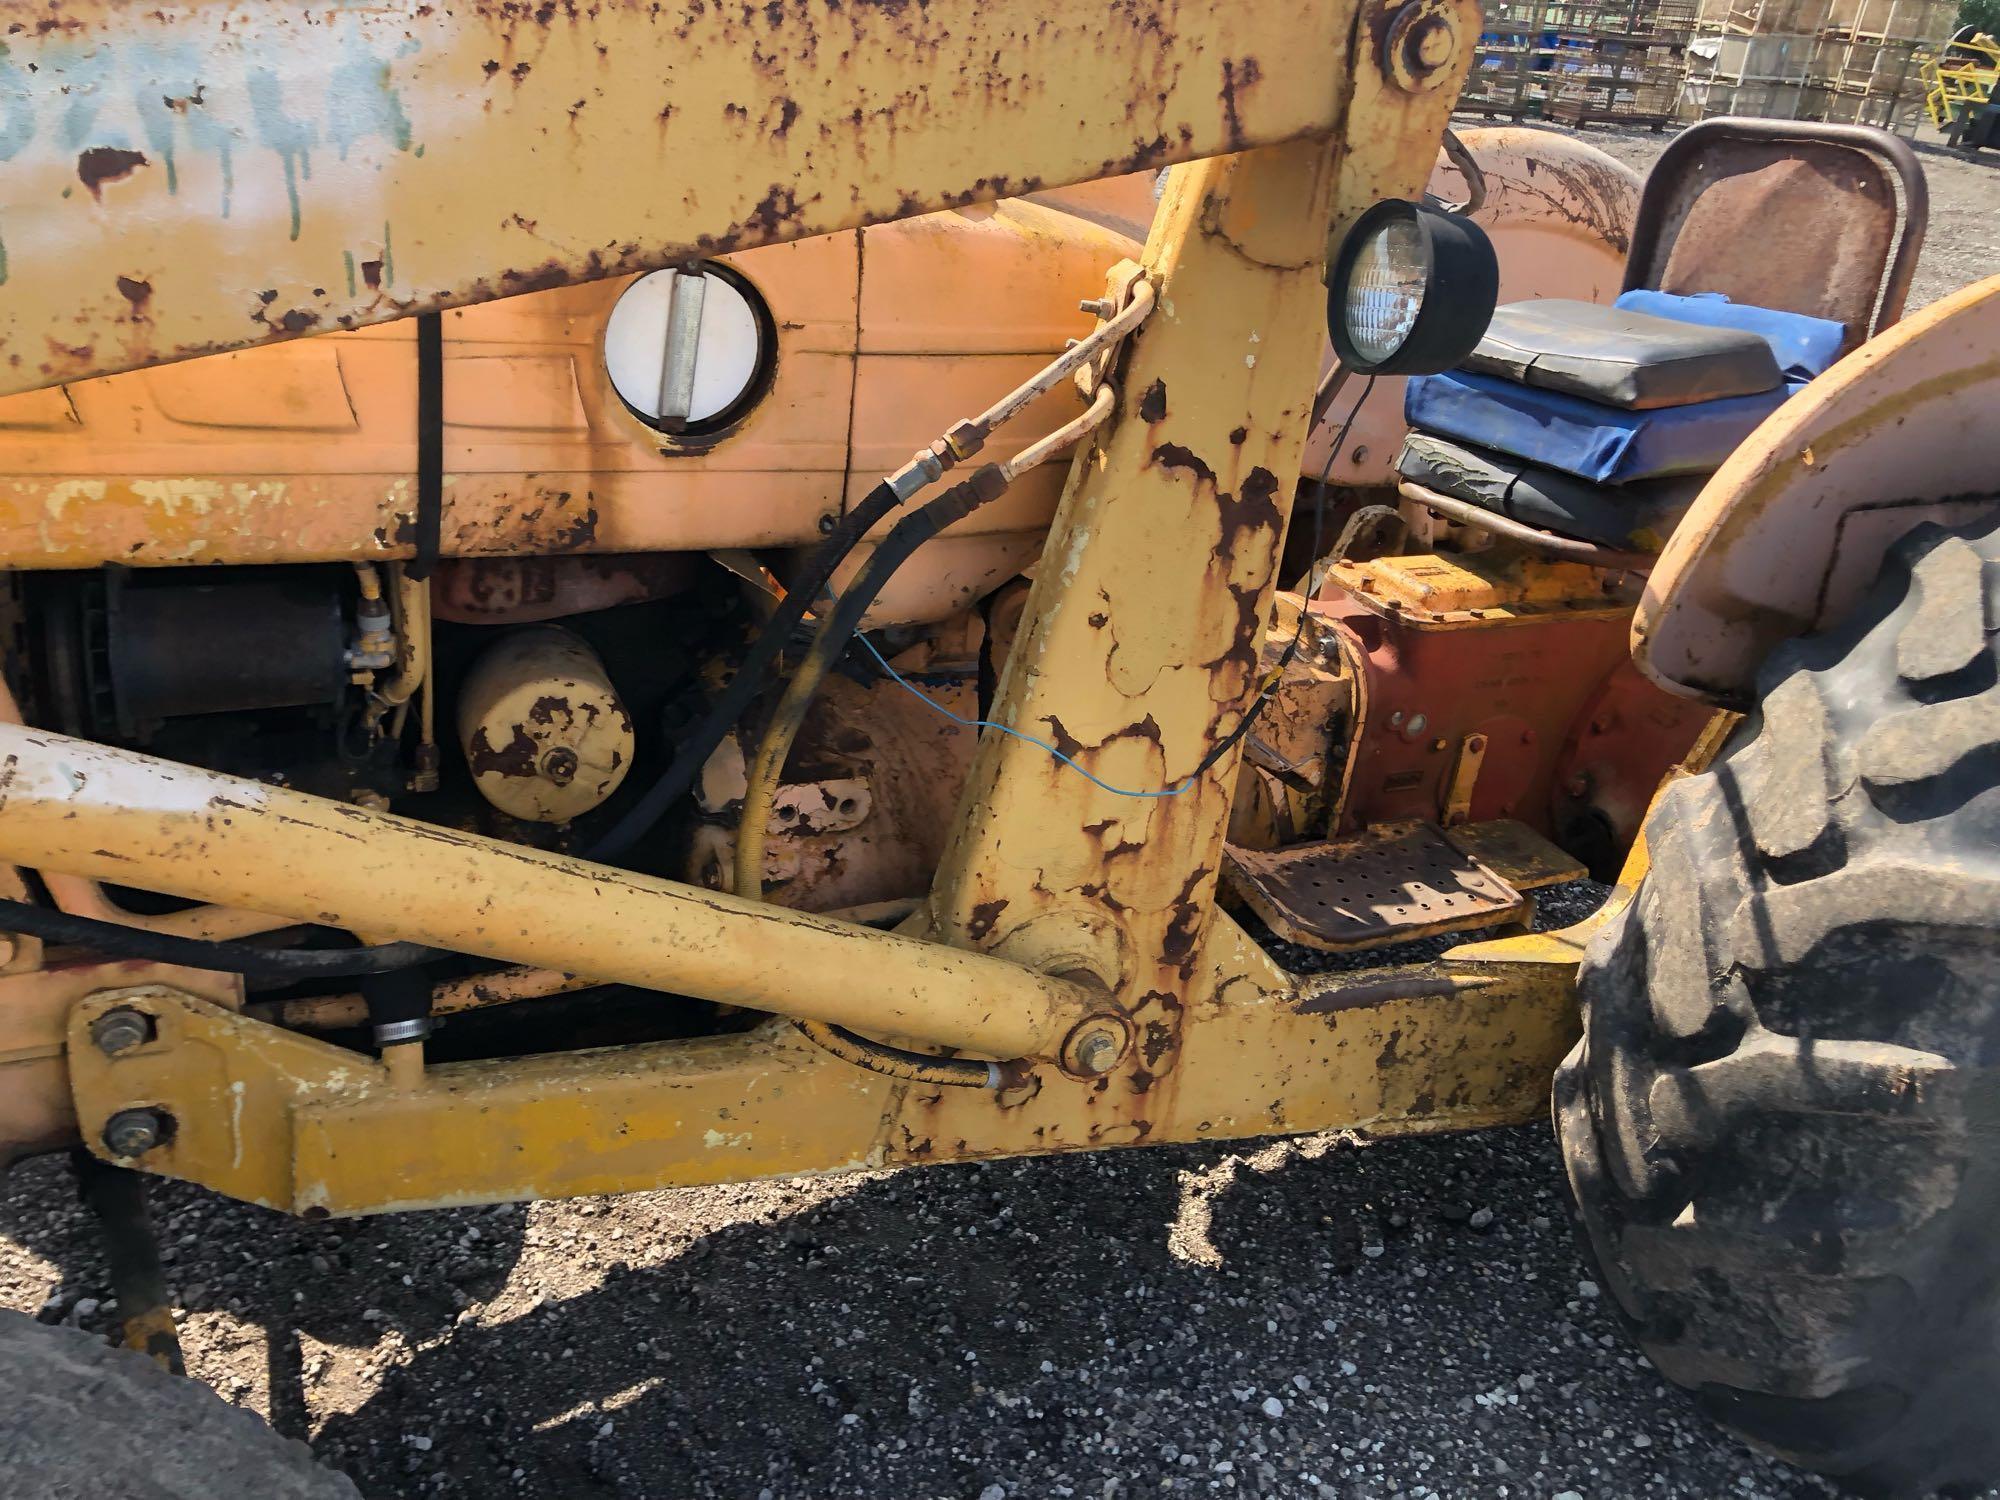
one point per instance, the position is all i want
(1117, 791)
(909, 687)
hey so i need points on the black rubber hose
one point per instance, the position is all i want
(750, 679)
(984, 484)
(247, 959)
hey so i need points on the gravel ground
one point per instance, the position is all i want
(1319, 1317)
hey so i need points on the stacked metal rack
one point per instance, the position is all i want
(1510, 42)
(1645, 62)
(1842, 60)
(1580, 61)
(1617, 60)
(1872, 56)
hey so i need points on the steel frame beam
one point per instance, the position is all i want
(304, 1127)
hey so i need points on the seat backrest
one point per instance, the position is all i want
(1799, 217)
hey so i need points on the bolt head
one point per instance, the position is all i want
(134, 1132)
(121, 1030)
(560, 765)
(1430, 43)
(1096, 1053)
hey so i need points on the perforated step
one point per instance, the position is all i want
(1387, 885)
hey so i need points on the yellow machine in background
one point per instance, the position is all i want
(1959, 80)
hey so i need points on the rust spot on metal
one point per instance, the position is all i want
(371, 275)
(579, 532)
(102, 164)
(138, 293)
(1102, 896)
(1147, 728)
(1099, 620)
(1174, 456)
(515, 758)
(1237, 75)
(1254, 508)
(546, 707)
(1153, 402)
(1066, 742)
(1237, 435)
(984, 915)
(1177, 944)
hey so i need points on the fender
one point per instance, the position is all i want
(1788, 534)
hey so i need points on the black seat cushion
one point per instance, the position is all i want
(1637, 516)
(1621, 358)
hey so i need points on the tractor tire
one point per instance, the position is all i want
(1781, 1122)
(85, 1420)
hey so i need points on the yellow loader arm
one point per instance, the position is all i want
(200, 176)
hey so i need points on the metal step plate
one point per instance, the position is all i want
(1516, 853)
(1388, 885)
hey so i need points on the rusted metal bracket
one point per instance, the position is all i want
(275, 1118)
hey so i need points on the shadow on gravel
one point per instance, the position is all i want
(341, 1284)
(1391, 1320)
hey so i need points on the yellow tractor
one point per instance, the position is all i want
(605, 596)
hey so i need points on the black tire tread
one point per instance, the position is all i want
(85, 1420)
(1778, 1123)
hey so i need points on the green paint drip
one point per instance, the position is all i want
(348, 257)
(388, 260)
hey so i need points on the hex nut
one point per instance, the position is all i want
(1097, 1052)
(1421, 40)
(559, 765)
(1431, 43)
(1093, 1048)
(134, 1132)
(121, 1030)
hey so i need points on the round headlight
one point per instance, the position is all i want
(690, 351)
(1412, 290)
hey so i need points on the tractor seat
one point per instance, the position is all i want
(1633, 360)
(1601, 423)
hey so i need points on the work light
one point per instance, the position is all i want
(1412, 290)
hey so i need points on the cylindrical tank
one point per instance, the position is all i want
(543, 730)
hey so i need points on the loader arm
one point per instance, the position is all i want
(205, 176)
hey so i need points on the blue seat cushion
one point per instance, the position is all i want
(1640, 516)
(1603, 444)
(1804, 345)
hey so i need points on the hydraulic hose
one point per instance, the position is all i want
(959, 444)
(918, 1067)
(280, 965)
(836, 629)
(751, 676)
